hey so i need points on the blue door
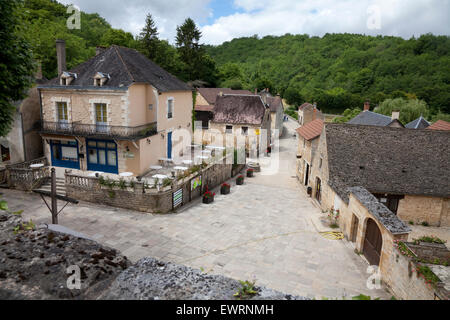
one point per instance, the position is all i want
(102, 156)
(169, 145)
(65, 154)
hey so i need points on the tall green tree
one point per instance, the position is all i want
(410, 110)
(16, 62)
(149, 38)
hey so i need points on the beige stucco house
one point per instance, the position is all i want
(114, 113)
(307, 113)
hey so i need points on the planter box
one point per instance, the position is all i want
(249, 173)
(225, 190)
(240, 182)
(208, 200)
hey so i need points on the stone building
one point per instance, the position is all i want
(406, 170)
(244, 117)
(205, 101)
(369, 118)
(114, 113)
(308, 141)
(307, 113)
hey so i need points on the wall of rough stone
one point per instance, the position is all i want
(423, 209)
(140, 199)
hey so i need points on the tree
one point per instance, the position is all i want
(16, 62)
(348, 115)
(293, 96)
(117, 37)
(410, 110)
(149, 38)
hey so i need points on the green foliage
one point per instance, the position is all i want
(16, 62)
(359, 67)
(246, 291)
(410, 110)
(364, 297)
(429, 239)
(428, 275)
(347, 115)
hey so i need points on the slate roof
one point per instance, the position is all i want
(311, 130)
(440, 125)
(239, 109)
(125, 66)
(274, 103)
(419, 123)
(385, 216)
(369, 118)
(388, 160)
(210, 94)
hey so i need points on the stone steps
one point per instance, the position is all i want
(60, 187)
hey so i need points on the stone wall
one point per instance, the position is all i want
(424, 209)
(144, 199)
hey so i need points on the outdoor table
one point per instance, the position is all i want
(160, 176)
(156, 167)
(126, 174)
(180, 168)
(36, 166)
(188, 162)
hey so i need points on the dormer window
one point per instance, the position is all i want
(67, 78)
(101, 78)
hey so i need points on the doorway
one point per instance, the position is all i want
(319, 190)
(373, 243)
(354, 228)
(307, 173)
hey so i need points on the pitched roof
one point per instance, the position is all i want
(440, 125)
(274, 103)
(419, 123)
(239, 109)
(125, 66)
(311, 130)
(384, 160)
(305, 105)
(369, 118)
(210, 94)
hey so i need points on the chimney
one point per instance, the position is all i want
(220, 94)
(61, 56)
(256, 90)
(395, 115)
(314, 114)
(367, 106)
(99, 49)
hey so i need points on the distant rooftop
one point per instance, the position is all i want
(369, 118)
(210, 94)
(419, 123)
(311, 130)
(440, 125)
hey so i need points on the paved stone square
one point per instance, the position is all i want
(262, 231)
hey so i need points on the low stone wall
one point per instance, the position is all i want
(431, 251)
(20, 176)
(140, 197)
(419, 209)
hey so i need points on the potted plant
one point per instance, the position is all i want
(240, 180)
(208, 196)
(225, 188)
(250, 172)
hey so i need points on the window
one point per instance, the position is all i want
(170, 109)
(101, 116)
(62, 111)
(150, 107)
(245, 131)
(229, 129)
(320, 163)
(98, 82)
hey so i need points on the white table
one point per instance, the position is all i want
(156, 167)
(188, 162)
(36, 166)
(126, 174)
(180, 168)
(160, 176)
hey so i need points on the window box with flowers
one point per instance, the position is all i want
(225, 188)
(250, 173)
(208, 196)
(240, 180)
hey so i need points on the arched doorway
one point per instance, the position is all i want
(373, 242)
(319, 190)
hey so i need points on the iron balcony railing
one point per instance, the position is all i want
(99, 130)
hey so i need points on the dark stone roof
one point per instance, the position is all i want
(419, 123)
(388, 160)
(239, 109)
(369, 118)
(380, 212)
(210, 94)
(274, 103)
(125, 67)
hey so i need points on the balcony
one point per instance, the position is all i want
(99, 131)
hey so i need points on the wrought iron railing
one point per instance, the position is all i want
(99, 130)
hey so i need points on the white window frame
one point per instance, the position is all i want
(173, 108)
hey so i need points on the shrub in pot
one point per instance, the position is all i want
(240, 180)
(208, 197)
(225, 188)
(250, 173)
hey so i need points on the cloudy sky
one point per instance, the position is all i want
(223, 20)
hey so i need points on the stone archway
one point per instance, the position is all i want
(373, 243)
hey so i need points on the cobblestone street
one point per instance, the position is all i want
(262, 231)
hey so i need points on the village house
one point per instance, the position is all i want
(307, 113)
(440, 125)
(406, 170)
(276, 111)
(419, 123)
(308, 141)
(369, 118)
(242, 116)
(205, 101)
(114, 113)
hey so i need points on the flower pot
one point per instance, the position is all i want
(249, 173)
(225, 190)
(208, 200)
(240, 182)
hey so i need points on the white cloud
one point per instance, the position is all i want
(397, 17)
(276, 17)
